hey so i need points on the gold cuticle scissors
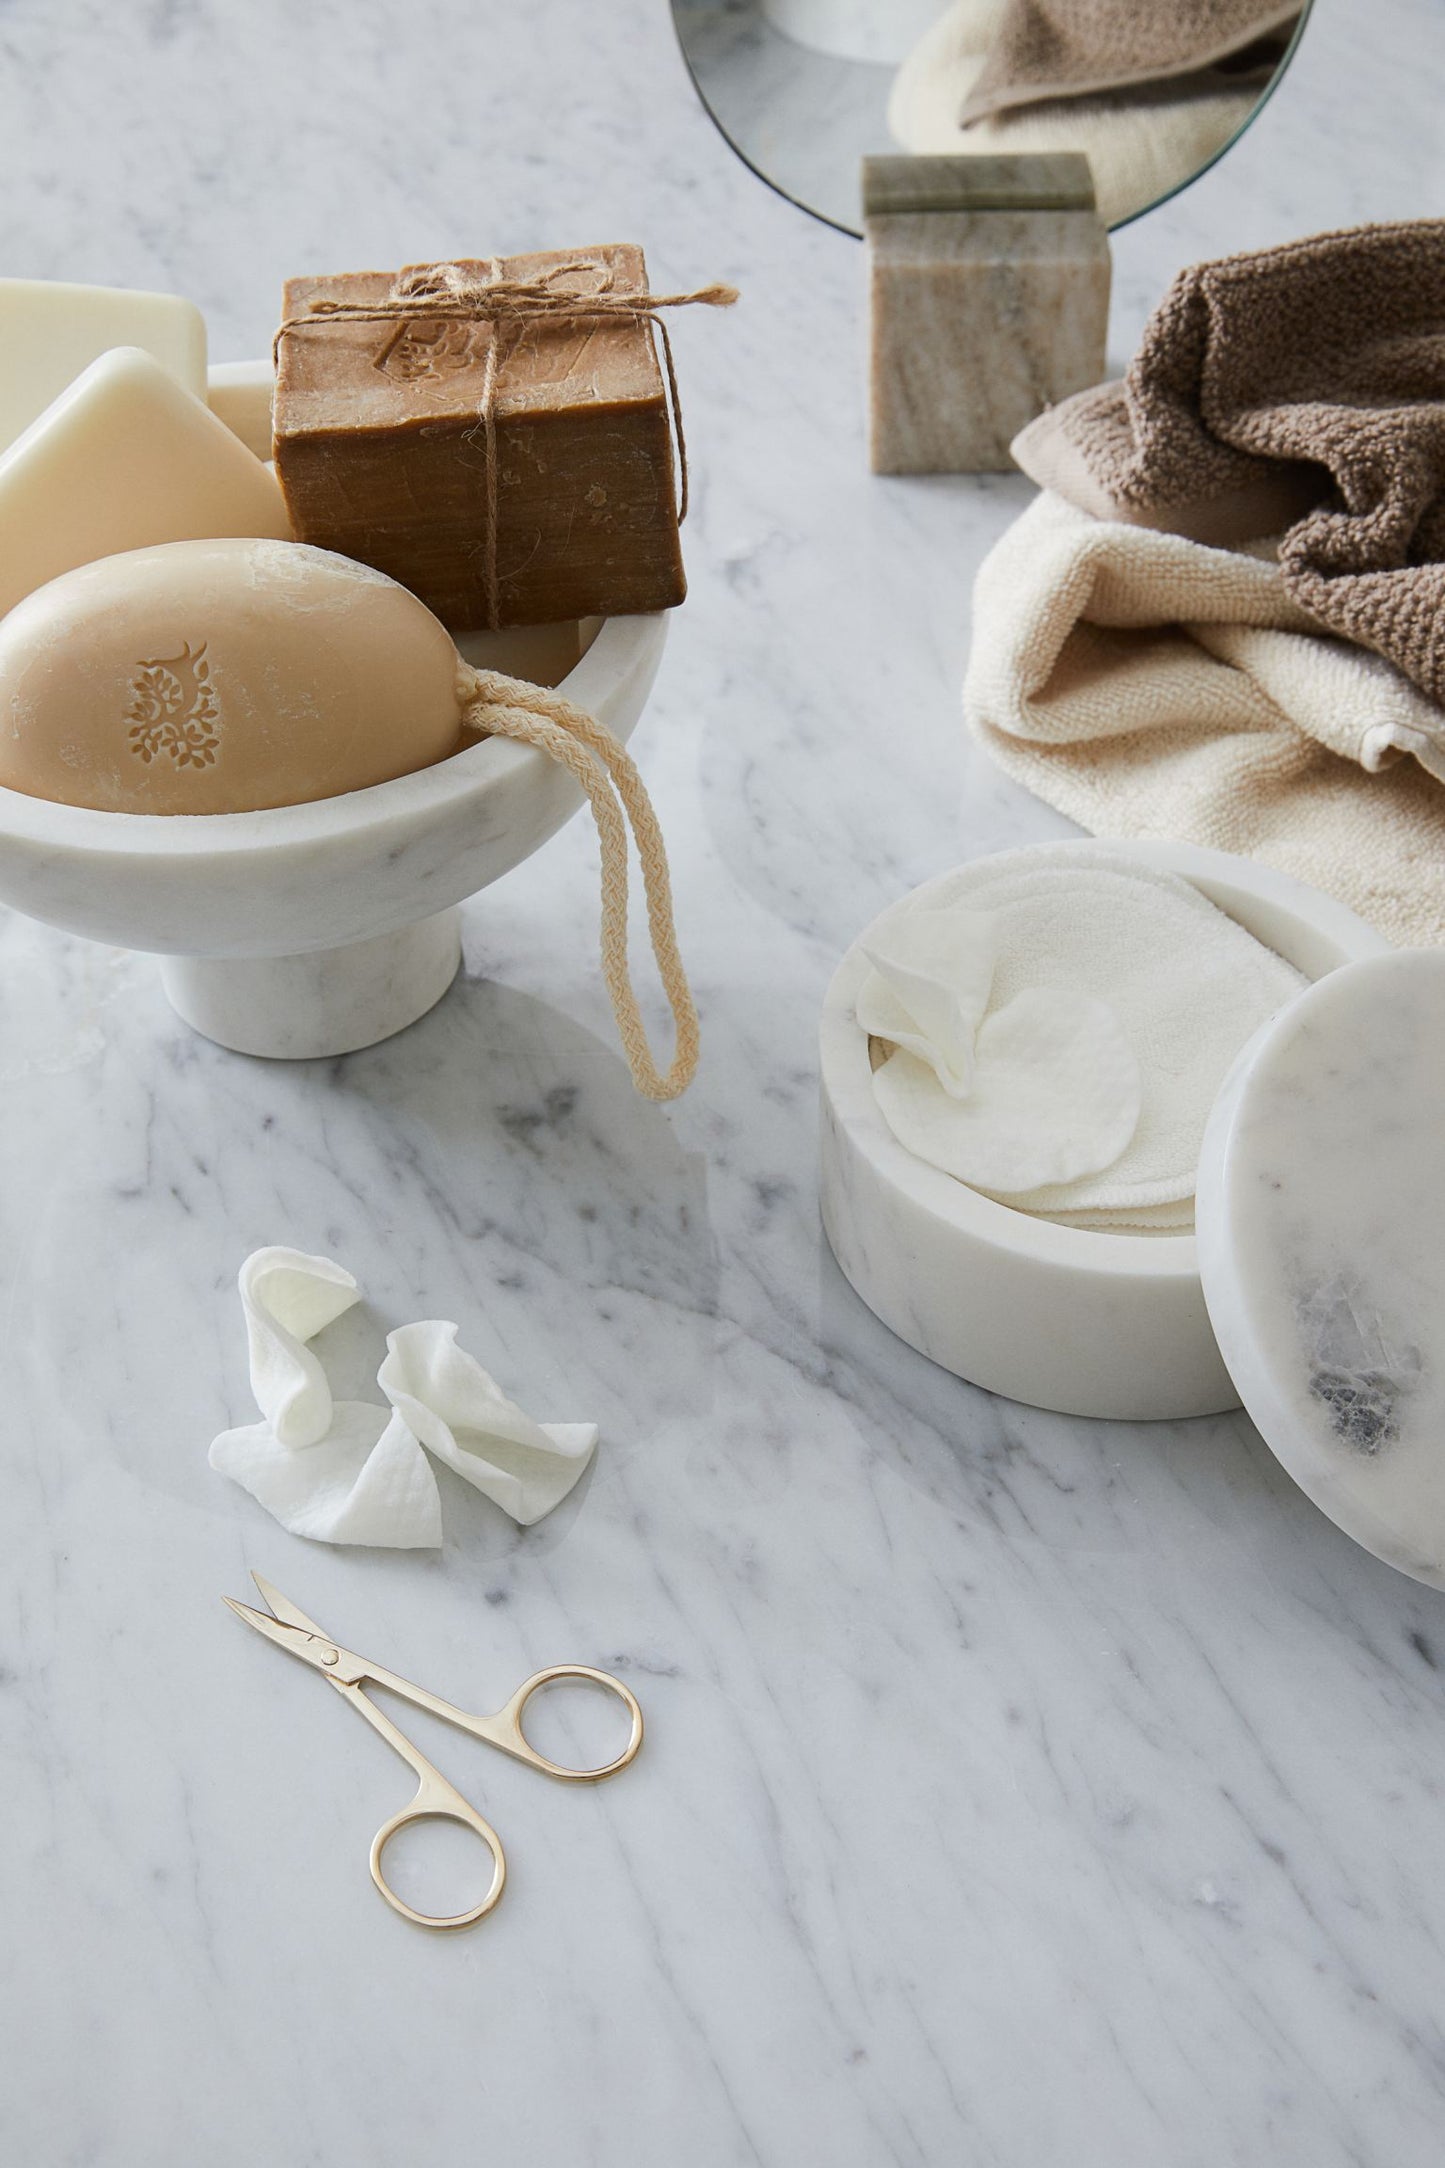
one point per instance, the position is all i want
(436, 1799)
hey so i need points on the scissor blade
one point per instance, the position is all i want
(302, 1641)
(284, 1608)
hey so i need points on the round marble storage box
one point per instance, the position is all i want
(1087, 1323)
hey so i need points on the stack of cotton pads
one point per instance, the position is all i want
(1054, 1033)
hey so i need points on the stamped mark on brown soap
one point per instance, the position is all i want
(420, 353)
(173, 710)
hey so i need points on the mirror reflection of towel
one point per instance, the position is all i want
(1142, 141)
(1045, 49)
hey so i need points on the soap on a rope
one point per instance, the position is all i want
(122, 459)
(381, 444)
(234, 675)
(221, 676)
(50, 331)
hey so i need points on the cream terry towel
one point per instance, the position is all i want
(1146, 685)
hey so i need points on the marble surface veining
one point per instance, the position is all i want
(1018, 1791)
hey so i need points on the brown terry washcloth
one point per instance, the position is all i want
(1069, 48)
(1299, 387)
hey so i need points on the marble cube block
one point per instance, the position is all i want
(989, 291)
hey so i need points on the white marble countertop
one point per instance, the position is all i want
(1018, 1791)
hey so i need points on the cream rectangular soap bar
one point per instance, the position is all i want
(240, 393)
(50, 331)
(122, 459)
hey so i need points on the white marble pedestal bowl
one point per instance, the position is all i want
(316, 929)
(1060, 1317)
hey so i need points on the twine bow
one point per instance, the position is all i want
(441, 291)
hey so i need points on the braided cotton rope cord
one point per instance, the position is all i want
(508, 707)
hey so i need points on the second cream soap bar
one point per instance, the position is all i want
(124, 458)
(382, 450)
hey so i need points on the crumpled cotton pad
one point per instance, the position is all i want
(345, 1472)
(366, 1481)
(1144, 1219)
(1186, 987)
(351, 1472)
(460, 1414)
(929, 987)
(288, 1298)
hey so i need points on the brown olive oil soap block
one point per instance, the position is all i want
(221, 677)
(381, 447)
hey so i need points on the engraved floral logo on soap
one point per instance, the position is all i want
(420, 353)
(173, 711)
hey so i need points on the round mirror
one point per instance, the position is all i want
(1152, 91)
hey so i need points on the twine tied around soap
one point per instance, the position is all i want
(508, 707)
(441, 291)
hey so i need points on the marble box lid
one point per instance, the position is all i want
(1321, 1233)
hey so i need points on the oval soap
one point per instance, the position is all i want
(221, 677)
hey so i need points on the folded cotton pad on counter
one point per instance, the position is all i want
(353, 1472)
(1056, 1033)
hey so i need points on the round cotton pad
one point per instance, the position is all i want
(1141, 1219)
(1055, 1096)
(1186, 986)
